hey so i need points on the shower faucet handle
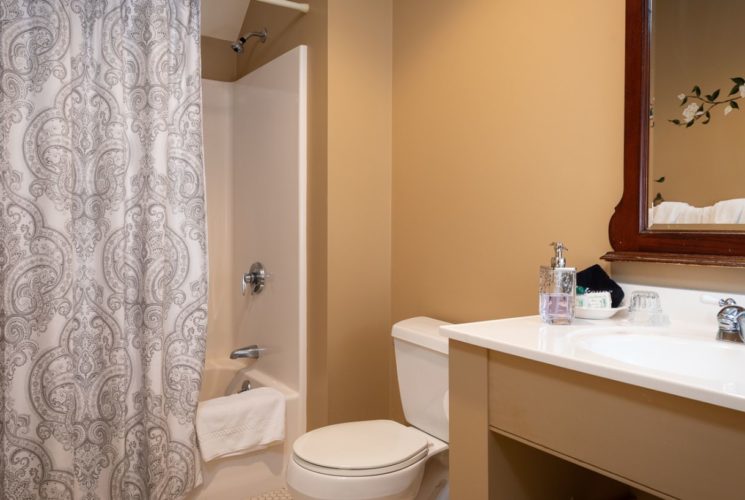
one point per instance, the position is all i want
(255, 278)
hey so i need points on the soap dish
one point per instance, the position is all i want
(594, 313)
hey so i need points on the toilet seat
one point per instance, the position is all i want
(360, 449)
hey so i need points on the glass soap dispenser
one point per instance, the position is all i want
(556, 289)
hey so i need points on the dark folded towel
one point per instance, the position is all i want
(595, 279)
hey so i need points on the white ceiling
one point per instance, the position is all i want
(223, 18)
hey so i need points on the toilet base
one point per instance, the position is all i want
(435, 482)
(400, 485)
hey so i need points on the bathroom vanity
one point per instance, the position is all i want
(541, 411)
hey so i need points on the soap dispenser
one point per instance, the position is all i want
(556, 289)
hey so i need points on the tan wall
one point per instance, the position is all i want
(694, 46)
(507, 135)
(219, 62)
(359, 207)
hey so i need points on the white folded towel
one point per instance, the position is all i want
(240, 423)
(672, 212)
(729, 211)
(722, 212)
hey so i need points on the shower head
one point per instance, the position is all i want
(237, 46)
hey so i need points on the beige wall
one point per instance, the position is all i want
(359, 207)
(691, 46)
(219, 62)
(507, 135)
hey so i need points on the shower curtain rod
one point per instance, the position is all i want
(302, 7)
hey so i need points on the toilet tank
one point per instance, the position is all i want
(422, 368)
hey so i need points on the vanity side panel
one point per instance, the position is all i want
(471, 443)
(663, 443)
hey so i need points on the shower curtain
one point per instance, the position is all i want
(102, 248)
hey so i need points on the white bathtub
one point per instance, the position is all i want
(237, 478)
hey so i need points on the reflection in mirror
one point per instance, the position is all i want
(697, 116)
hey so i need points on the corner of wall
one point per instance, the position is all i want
(219, 62)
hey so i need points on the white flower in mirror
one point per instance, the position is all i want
(681, 96)
(690, 112)
(727, 110)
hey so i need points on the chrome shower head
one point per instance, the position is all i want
(238, 45)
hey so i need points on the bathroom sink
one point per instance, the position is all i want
(685, 356)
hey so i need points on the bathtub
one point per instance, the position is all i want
(243, 476)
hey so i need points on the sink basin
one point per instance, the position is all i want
(705, 362)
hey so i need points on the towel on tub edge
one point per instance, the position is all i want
(240, 423)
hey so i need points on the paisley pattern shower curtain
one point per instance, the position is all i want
(102, 248)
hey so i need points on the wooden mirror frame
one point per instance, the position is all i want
(629, 236)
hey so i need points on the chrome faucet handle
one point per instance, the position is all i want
(730, 320)
(741, 324)
(254, 279)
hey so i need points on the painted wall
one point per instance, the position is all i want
(507, 135)
(219, 62)
(359, 207)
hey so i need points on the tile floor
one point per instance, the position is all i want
(280, 494)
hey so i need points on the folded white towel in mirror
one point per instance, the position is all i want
(729, 211)
(240, 423)
(676, 212)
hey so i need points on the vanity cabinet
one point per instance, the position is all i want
(523, 429)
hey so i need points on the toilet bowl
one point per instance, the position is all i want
(383, 459)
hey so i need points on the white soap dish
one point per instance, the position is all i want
(594, 313)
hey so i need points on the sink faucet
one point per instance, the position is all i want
(731, 320)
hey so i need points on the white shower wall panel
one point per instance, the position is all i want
(217, 113)
(269, 205)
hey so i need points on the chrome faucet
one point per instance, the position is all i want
(253, 352)
(731, 320)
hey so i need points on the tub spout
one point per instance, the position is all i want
(252, 352)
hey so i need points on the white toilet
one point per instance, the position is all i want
(382, 459)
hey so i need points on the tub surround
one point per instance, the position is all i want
(652, 427)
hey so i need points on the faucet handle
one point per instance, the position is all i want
(729, 319)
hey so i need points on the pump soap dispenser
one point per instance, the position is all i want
(556, 289)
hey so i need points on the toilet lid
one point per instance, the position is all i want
(360, 448)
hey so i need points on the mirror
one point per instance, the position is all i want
(696, 174)
(665, 75)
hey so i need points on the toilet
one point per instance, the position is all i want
(383, 459)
